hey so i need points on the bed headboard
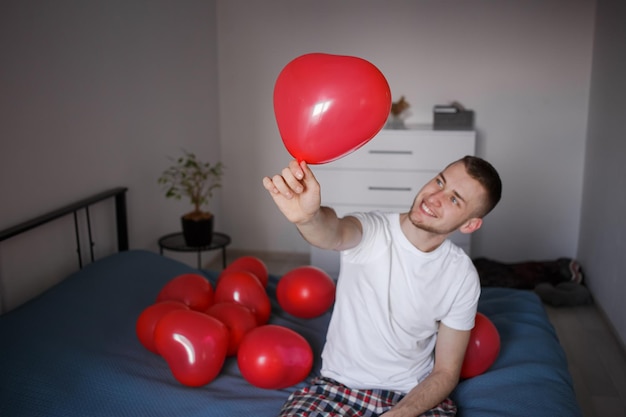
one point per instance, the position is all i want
(119, 194)
(21, 279)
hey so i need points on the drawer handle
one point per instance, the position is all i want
(372, 188)
(374, 151)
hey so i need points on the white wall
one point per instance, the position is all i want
(94, 95)
(603, 225)
(524, 67)
(97, 94)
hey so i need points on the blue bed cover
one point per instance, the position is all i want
(73, 352)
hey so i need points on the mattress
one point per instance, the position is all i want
(73, 351)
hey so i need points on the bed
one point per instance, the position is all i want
(73, 350)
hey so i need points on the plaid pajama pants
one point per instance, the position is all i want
(326, 397)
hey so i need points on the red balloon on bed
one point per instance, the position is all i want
(193, 344)
(274, 357)
(483, 347)
(148, 319)
(249, 264)
(191, 289)
(244, 288)
(238, 318)
(306, 292)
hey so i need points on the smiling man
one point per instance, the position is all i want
(406, 295)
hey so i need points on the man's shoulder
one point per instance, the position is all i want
(375, 215)
(458, 251)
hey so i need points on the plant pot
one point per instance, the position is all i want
(197, 232)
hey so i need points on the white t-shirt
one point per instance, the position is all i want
(389, 302)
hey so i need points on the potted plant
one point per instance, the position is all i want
(194, 180)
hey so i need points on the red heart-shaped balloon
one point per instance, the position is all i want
(306, 292)
(249, 264)
(193, 344)
(482, 349)
(192, 289)
(244, 288)
(274, 357)
(148, 319)
(327, 106)
(239, 320)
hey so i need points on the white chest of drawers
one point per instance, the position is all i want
(386, 174)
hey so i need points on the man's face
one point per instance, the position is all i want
(447, 202)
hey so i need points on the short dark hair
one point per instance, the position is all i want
(483, 172)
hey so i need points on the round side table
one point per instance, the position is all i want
(176, 242)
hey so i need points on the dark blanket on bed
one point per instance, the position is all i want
(73, 352)
(530, 376)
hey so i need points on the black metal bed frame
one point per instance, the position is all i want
(121, 221)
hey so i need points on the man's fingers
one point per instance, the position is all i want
(281, 184)
(269, 185)
(290, 178)
(289, 182)
(309, 178)
(296, 169)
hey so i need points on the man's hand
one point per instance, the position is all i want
(296, 192)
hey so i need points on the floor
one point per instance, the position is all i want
(597, 360)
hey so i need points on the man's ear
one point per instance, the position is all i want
(471, 225)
